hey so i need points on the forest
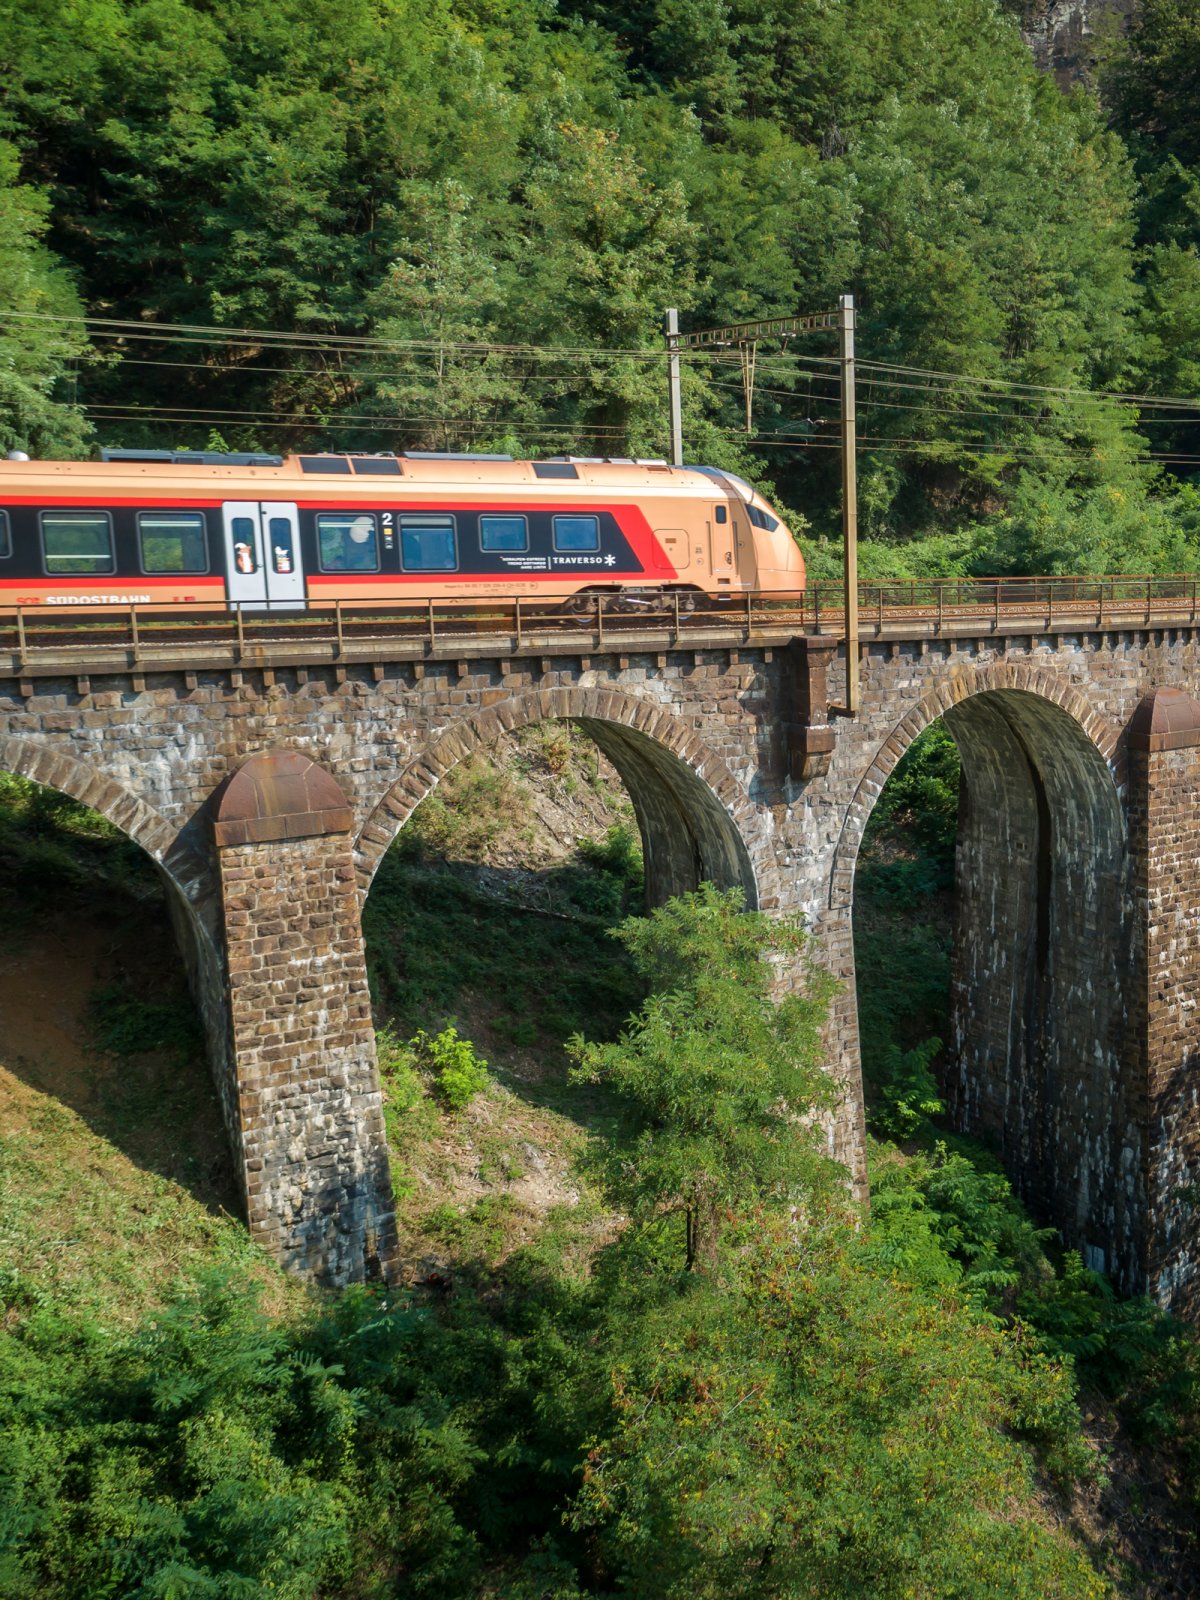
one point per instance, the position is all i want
(642, 1348)
(461, 223)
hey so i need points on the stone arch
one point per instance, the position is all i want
(939, 699)
(185, 875)
(180, 865)
(695, 818)
(1036, 1059)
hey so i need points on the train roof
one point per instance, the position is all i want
(358, 473)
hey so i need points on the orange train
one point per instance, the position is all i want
(143, 527)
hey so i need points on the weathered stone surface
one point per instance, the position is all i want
(280, 794)
(1065, 35)
(309, 1112)
(1074, 972)
(1161, 1169)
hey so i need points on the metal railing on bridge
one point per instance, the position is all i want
(1099, 601)
(91, 638)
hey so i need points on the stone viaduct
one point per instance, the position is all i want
(268, 793)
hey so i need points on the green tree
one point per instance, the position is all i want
(1151, 86)
(726, 1082)
(42, 338)
(811, 1427)
(446, 289)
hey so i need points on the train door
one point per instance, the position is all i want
(262, 554)
(720, 545)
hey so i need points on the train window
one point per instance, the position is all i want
(347, 543)
(577, 533)
(172, 541)
(5, 536)
(245, 544)
(722, 514)
(338, 465)
(503, 533)
(554, 469)
(77, 541)
(428, 544)
(760, 519)
(279, 542)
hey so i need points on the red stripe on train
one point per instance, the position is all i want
(136, 580)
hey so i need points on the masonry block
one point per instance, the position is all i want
(1164, 1054)
(1074, 965)
(309, 1109)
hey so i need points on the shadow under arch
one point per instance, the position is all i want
(938, 701)
(696, 822)
(184, 873)
(185, 877)
(183, 868)
(1036, 1061)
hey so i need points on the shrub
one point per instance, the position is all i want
(458, 1073)
(906, 1092)
(472, 806)
(398, 1074)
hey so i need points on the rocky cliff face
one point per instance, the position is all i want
(1066, 35)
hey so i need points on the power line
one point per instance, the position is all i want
(939, 385)
(932, 450)
(299, 418)
(298, 339)
(355, 374)
(195, 333)
(310, 426)
(1016, 385)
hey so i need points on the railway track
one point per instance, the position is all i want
(38, 641)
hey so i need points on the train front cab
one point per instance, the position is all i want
(751, 547)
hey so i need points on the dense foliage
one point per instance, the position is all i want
(802, 1419)
(725, 1082)
(552, 176)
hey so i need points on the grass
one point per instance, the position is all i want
(84, 1227)
(126, 1023)
(475, 1182)
(115, 1178)
(438, 947)
(517, 980)
(522, 956)
(51, 846)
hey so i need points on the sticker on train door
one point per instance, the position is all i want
(281, 545)
(262, 554)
